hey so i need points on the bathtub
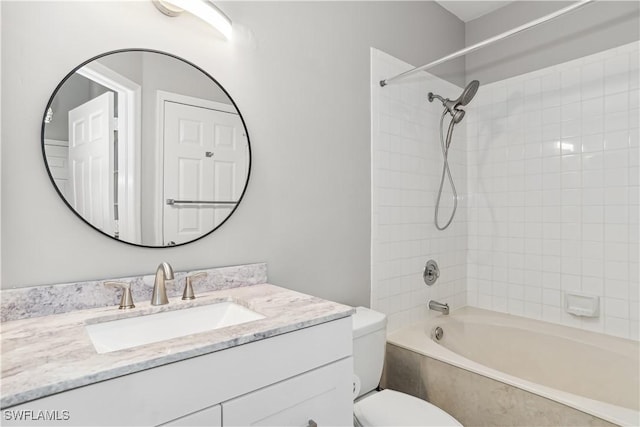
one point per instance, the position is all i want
(591, 378)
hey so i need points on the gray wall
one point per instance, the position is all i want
(593, 28)
(299, 73)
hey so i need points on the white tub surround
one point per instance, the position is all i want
(406, 163)
(594, 373)
(46, 300)
(554, 191)
(46, 355)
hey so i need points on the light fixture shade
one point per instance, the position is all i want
(203, 9)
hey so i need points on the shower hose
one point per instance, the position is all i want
(446, 171)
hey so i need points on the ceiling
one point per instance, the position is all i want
(470, 10)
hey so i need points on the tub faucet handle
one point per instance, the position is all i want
(188, 286)
(127, 299)
(431, 272)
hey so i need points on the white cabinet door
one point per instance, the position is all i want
(320, 397)
(207, 417)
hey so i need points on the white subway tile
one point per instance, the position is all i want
(593, 285)
(616, 177)
(592, 143)
(551, 297)
(615, 272)
(617, 196)
(616, 214)
(616, 251)
(592, 324)
(634, 118)
(616, 326)
(593, 160)
(552, 115)
(593, 125)
(551, 81)
(593, 232)
(634, 99)
(571, 196)
(592, 107)
(592, 72)
(616, 140)
(551, 98)
(616, 103)
(574, 111)
(573, 127)
(533, 310)
(616, 159)
(616, 121)
(616, 74)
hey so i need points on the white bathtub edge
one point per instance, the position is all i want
(612, 413)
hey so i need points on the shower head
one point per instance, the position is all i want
(468, 93)
(453, 106)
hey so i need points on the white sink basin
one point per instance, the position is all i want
(135, 331)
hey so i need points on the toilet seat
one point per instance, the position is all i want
(392, 408)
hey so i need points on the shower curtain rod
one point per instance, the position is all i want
(488, 41)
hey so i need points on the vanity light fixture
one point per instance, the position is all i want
(203, 9)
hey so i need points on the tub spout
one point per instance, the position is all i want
(438, 306)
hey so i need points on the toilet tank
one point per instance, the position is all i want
(369, 339)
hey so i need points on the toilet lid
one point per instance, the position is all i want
(392, 408)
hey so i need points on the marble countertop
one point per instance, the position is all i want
(46, 355)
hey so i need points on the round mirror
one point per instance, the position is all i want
(146, 148)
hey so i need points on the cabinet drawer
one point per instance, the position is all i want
(211, 417)
(322, 396)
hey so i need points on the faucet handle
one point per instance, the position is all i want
(188, 287)
(127, 299)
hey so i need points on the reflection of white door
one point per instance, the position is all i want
(91, 127)
(205, 160)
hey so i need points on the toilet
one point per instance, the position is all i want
(386, 407)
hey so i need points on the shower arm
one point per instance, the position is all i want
(487, 42)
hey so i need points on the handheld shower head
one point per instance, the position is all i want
(452, 106)
(458, 115)
(468, 93)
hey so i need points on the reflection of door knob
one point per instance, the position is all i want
(209, 154)
(171, 243)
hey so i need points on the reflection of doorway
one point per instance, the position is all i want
(124, 161)
(91, 146)
(205, 161)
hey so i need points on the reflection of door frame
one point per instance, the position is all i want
(161, 98)
(129, 140)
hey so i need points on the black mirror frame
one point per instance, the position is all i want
(44, 156)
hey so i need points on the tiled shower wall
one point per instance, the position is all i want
(554, 192)
(406, 168)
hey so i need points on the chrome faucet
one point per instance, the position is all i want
(163, 273)
(438, 306)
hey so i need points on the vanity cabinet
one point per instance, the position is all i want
(313, 398)
(210, 417)
(289, 379)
